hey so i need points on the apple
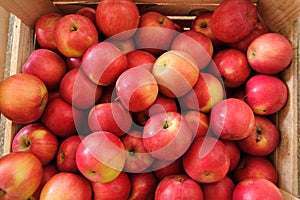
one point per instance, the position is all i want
(233, 20)
(21, 174)
(112, 117)
(119, 188)
(100, 156)
(263, 140)
(74, 34)
(196, 44)
(234, 152)
(78, 90)
(221, 190)
(255, 167)
(176, 73)
(103, 63)
(61, 118)
(202, 24)
(197, 121)
(143, 186)
(124, 45)
(65, 158)
(140, 58)
(270, 53)
(137, 89)
(155, 32)
(232, 119)
(38, 140)
(178, 187)
(23, 98)
(266, 94)
(73, 63)
(207, 160)
(65, 185)
(207, 92)
(125, 20)
(256, 188)
(44, 30)
(233, 67)
(167, 136)
(162, 170)
(137, 158)
(47, 66)
(88, 12)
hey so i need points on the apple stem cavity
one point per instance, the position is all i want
(258, 134)
(203, 25)
(167, 124)
(2, 192)
(74, 27)
(27, 143)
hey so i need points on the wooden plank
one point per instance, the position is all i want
(29, 11)
(287, 196)
(4, 23)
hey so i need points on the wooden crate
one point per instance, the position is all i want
(280, 16)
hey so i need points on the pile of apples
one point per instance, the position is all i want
(118, 104)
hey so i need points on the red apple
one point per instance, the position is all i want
(270, 53)
(100, 156)
(176, 73)
(263, 140)
(124, 45)
(65, 158)
(23, 98)
(143, 186)
(137, 89)
(21, 174)
(266, 94)
(178, 187)
(119, 188)
(234, 152)
(88, 12)
(74, 34)
(112, 117)
(47, 66)
(161, 170)
(78, 90)
(233, 67)
(67, 186)
(140, 58)
(256, 189)
(255, 167)
(44, 30)
(73, 63)
(137, 157)
(207, 160)
(167, 136)
(221, 190)
(197, 121)
(233, 20)
(38, 140)
(196, 44)
(232, 119)
(103, 63)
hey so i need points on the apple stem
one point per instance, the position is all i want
(27, 142)
(2, 192)
(166, 124)
(258, 134)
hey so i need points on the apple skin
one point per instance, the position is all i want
(123, 23)
(112, 117)
(262, 94)
(195, 43)
(78, 90)
(178, 187)
(235, 153)
(65, 185)
(255, 167)
(172, 68)
(137, 157)
(74, 34)
(233, 20)
(143, 186)
(207, 160)
(124, 45)
(137, 89)
(161, 170)
(21, 174)
(38, 140)
(167, 136)
(140, 58)
(197, 121)
(66, 155)
(232, 119)
(270, 53)
(257, 188)
(221, 190)
(44, 30)
(97, 164)
(119, 188)
(73, 63)
(263, 141)
(23, 98)
(233, 67)
(88, 12)
(103, 63)
(155, 33)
